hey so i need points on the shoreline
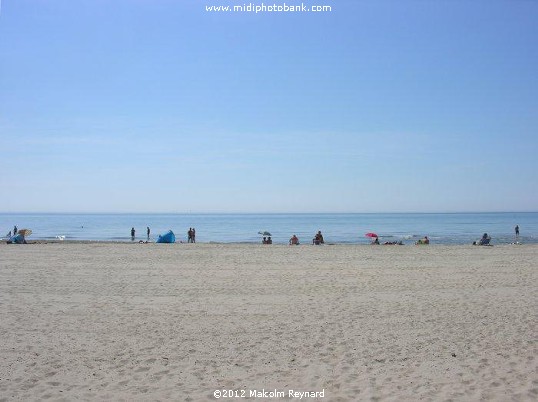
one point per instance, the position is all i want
(239, 228)
(245, 243)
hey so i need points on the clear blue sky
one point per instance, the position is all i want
(160, 106)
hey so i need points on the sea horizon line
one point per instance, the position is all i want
(259, 213)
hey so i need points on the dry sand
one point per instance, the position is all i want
(177, 322)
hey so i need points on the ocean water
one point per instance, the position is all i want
(451, 228)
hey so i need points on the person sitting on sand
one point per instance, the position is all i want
(269, 240)
(375, 241)
(294, 241)
(423, 241)
(264, 240)
(484, 240)
(318, 238)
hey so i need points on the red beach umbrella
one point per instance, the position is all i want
(371, 235)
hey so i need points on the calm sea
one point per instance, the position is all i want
(454, 228)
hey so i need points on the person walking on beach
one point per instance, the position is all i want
(133, 234)
(148, 232)
(517, 231)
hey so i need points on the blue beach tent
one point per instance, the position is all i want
(168, 237)
(17, 239)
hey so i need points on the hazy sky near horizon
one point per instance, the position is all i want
(160, 106)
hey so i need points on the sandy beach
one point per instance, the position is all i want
(104, 321)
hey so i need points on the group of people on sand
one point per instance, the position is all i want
(133, 233)
(318, 239)
(485, 240)
(375, 241)
(17, 237)
(387, 243)
(191, 235)
(294, 240)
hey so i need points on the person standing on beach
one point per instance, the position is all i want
(189, 236)
(133, 234)
(148, 232)
(517, 231)
(193, 235)
(15, 230)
